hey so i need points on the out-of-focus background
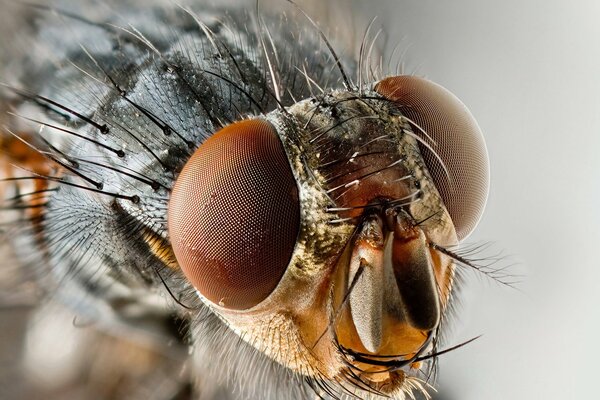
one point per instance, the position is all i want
(530, 73)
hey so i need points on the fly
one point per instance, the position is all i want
(207, 166)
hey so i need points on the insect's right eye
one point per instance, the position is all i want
(234, 215)
(462, 176)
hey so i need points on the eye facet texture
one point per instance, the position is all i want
(458, 142)
(234, 215)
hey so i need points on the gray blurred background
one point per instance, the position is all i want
(529, 72)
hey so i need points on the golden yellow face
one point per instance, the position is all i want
(315, 233)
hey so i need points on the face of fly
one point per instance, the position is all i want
(332, 232)
(317, 232)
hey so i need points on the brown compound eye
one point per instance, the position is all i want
(234, 215)
(457, 140)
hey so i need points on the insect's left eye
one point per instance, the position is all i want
(234, 215)
(457, 158)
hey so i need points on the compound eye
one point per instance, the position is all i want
(234, 215)
(456, 138)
